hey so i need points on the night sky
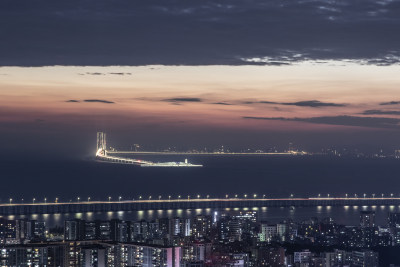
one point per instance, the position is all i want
(196, 74)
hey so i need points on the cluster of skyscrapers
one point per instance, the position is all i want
(235, 239)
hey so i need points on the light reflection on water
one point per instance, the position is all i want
(348, 215)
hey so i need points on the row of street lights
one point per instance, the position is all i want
(227, 196)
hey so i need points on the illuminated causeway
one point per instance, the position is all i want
(188, 203)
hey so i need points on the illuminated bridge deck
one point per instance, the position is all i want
(214, 203)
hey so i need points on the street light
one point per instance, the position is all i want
(255, 195)
(263, 196)
(198, 196)
(119, 199)
(169, 198)
(149, 197)
(188, 197)
(78, 198)
(159, 197)
(364, 195)
(109, 199)
(88, 199)
(319, 195)
(34, 200)
(56, 199)
(179, 197)
(208, 196)
(140, 197)
(346, 195)
(45, 200)
(10, 201)
(226, 196)
(245, 195)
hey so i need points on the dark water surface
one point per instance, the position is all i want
(276, 176)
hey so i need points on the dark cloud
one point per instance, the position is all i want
(98, 101)
(72, 101)
(371, 122)
(314, 104)
(381, 112)
(222, 103)
(94, 73)
(120, 73)
(308, 103)
(235, 32)
(183, 99)
(390, 103)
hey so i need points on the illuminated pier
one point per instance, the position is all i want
(187, 203)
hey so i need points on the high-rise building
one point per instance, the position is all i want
(74, 230)
(367, 218)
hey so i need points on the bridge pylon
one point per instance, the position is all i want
(101, 144)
